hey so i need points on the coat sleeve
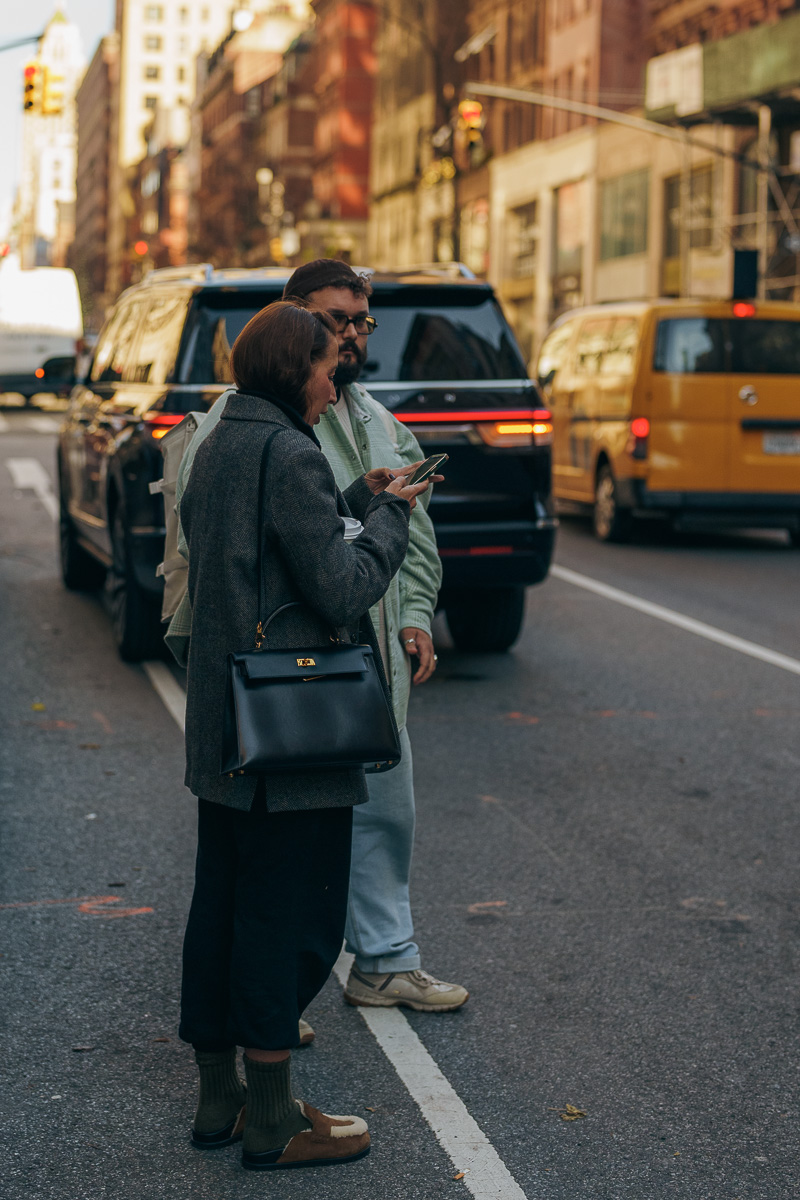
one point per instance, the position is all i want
(341, 580)
(421, 573)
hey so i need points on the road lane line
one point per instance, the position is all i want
(29, 473)
(486, 1175)
(170, 691)
(42, 423)
(671, 617)
(5, 424)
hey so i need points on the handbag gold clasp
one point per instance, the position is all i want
(306, 662)
(259, 636)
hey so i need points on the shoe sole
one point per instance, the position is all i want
(358, 1002)
(309, 1162)
(203, 1142)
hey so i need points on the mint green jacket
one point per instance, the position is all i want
(382, 441)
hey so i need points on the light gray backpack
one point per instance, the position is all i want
(174, 569)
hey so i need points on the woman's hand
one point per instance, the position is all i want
(379, 479)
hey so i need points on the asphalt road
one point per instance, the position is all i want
(606, 857)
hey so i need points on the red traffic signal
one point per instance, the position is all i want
(140, 248)
(471, 113)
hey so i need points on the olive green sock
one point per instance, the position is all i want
(222, 1092)
(273, 1115)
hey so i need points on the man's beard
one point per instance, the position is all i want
(350, 371)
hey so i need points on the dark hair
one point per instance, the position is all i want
(276, 349)
(325, 273)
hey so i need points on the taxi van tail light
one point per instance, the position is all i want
(536, 430)
(160, 424)
(637, 441)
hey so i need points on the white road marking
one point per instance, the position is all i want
(170, 691)
(29, 473)
(486, 1175)
(42, 423)
(671, 617)
(5, 424)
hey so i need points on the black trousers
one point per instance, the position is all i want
(266, 922)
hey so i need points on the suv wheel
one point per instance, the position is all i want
(135, 618)
(80, 572)
(486, 618)
(611, 523)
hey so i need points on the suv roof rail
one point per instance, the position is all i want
(439, 268)
(201, 271)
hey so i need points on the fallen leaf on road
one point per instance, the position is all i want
(569, 1112)
(38, 707)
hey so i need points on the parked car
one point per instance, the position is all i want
(443, 360)
(41, 327)
(681, 409)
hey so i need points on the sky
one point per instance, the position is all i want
(94, 18)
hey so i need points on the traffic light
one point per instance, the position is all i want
(52, 92)
(32, 89)
(470, 114)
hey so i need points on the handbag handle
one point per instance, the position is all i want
(263, 625)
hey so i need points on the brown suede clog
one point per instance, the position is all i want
(329, 1141)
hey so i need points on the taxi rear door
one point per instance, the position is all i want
(765, 404)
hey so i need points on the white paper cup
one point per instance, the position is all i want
(352, 528)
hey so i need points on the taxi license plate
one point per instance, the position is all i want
(781, 443)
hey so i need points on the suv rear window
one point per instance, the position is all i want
(702, 345)
(442, 336)
(215, 322)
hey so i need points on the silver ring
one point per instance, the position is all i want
(409, 640)
(436, 658)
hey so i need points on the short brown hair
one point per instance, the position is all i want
(276, 349)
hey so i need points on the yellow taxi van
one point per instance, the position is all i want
(682, 409)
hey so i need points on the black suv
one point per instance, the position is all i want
(443, 360)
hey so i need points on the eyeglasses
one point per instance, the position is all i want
(361, 322)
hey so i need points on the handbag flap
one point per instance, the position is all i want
(315, 662)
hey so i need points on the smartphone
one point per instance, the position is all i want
(427, 468)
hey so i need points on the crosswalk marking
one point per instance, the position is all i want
(29, 473)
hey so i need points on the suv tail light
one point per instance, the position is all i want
(517, 433)
(497, 427)
(160, 424)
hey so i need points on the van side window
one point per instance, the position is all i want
(593, 344)
(765, 347)
(621, 353)
(114, 350)
(690, 346)
(554, 352)
(161, 334)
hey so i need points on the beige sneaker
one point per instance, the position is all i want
(412, 989)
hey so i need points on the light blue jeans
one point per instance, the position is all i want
(379, 930)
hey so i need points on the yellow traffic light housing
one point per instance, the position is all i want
(32, 87)
(52, 93)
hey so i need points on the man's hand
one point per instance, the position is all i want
(418, 642)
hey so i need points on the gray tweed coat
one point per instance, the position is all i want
(305, 558)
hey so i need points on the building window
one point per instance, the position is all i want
(152, 72)
(150, 101)
(204, 15)
(523, 240)
(152, 42)
(183, 44)
(183, 15)
(181, 74)
(153, 12)
(623, 215)
(699, 218)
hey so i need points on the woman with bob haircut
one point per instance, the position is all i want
(273, 857)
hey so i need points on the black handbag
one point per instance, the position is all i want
(311, 708)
